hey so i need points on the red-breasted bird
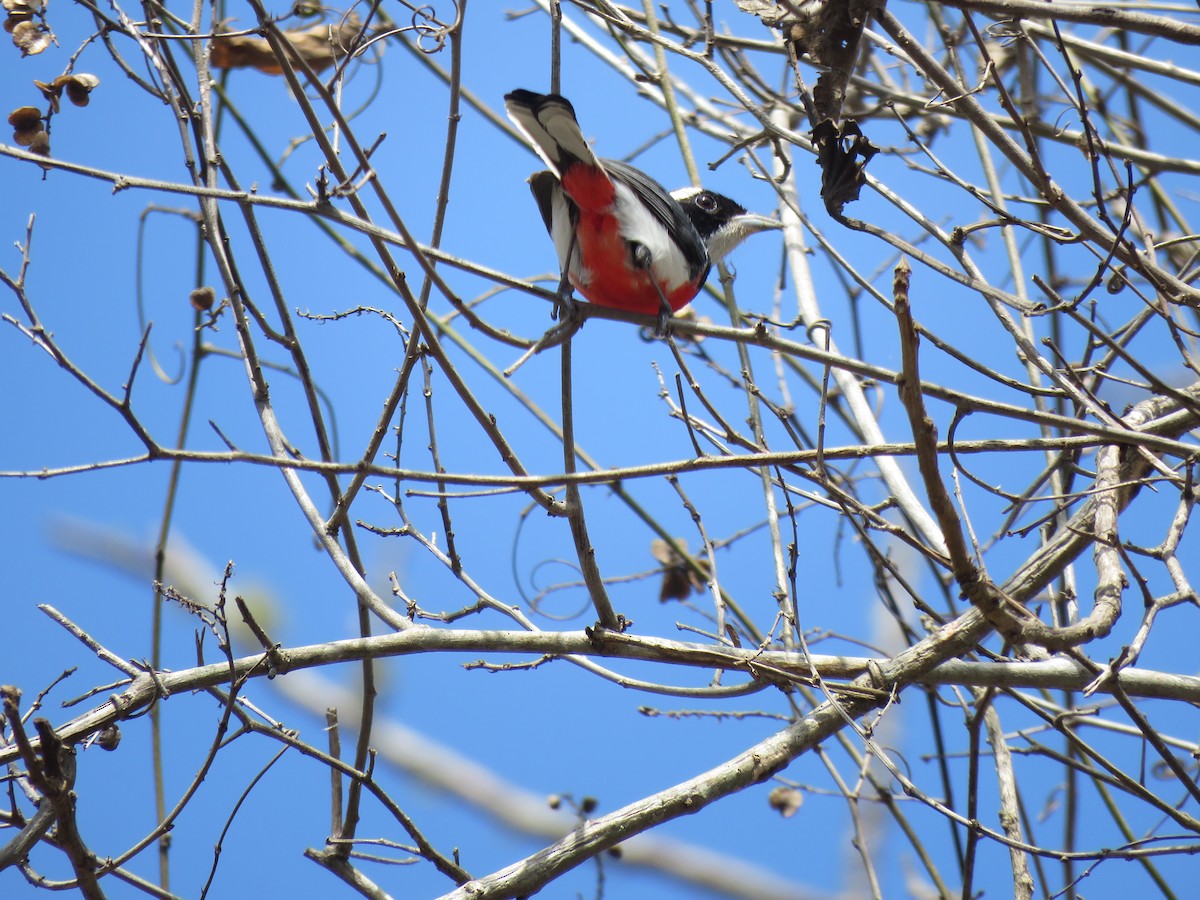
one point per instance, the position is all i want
(623, 240)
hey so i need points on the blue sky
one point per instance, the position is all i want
(554, 730)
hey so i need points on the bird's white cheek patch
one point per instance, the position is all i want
(636, 223)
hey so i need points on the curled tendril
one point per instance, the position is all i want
(431, 31)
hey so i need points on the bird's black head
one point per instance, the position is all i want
(722, 223)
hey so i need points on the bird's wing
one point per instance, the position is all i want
(665, 209)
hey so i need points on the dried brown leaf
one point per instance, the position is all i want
(108, 738)
(79, 87)
(320, 46)
(25, 138)
(202, 298)
(26, 122)
(50, 92)
(679, 579)
(30, 37)
(829, 32)
(40, 144)
(25, 117)
(786, 800)
(25, 8)
(842, 153)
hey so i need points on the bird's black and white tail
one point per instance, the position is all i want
(548, 121)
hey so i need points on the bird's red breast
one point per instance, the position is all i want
(607, 275)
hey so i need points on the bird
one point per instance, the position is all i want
(623, 241)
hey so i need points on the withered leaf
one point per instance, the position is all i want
(25, 117)
(679, 579)
(30, 37)
(769, 11)
(79, 87)
(25, 8)
(842, 153)
(202, 298)
(785, 800)
(49, 92)
(320, 46)
(829, 32)
(40, 144)
(26, 122)
(109, 738)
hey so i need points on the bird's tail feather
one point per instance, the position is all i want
(548, 121)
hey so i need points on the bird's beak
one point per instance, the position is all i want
(751, 223)
(737, 230)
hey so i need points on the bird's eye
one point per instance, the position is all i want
(707, 201)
